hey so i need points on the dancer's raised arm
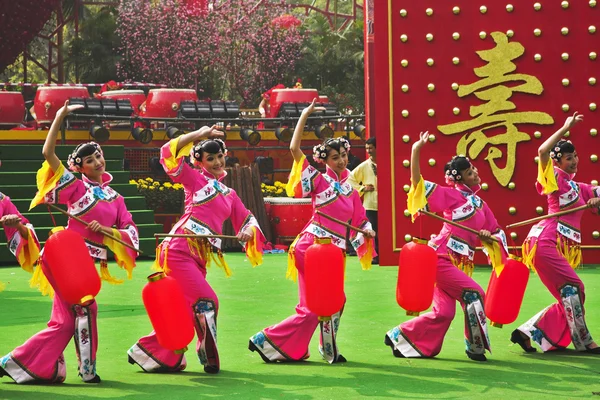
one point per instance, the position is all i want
(50, 145)
(297, 138)
(546, 147)
(415, 168)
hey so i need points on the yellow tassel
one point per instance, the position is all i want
(197, 248)
(367, 258)
(157, 266)
(292, 272)
(106, 276)
(529, 254)
(252, 252)
(2, 286)
(124, 259)
(571, 251)
(220, 262)
(462, 263)
(495, 256)
(39, 281)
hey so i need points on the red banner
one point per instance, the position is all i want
(489, 81)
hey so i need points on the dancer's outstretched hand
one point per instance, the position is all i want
(423, 138)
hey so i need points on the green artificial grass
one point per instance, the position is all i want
(255, 298)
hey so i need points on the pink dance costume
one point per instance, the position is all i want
(208, 203)
(334, 196)
(423, 336)
(40, 359)
(26, 250)
(552, 250)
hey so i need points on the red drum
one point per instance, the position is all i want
(12, 108)
(49, 99)
(288, 216)
(164, 103)
(323, 99)
(136, 97)
(290, 96)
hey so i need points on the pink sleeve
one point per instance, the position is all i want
(127, 228)
(175, 166)
(440, 198)
(67, 190)
(18, 245)
(305, 180)
(589, 192)
(242, 218)
(492, 225)
(360, 220)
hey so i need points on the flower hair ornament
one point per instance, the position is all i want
(556, 153)
(199, 148)
(320, 150)
(453, 173)
(75, 159)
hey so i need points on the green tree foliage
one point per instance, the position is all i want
(333, 62)
(92, 53)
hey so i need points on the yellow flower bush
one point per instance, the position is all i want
(275, 190)
(160, 196)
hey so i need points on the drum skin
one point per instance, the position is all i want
(49, 99)
(165, 103)
(12, 108)
(136, 97)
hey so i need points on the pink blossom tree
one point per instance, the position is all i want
(163, 42)
(243, 46)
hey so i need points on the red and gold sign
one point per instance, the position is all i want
(490, 80)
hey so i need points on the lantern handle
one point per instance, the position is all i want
(159, 235)
(347, 225)
(456, 224)
(116, 239)
(556, 214)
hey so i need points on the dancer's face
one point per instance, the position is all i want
(93, 166)
(568, 162)
(470, 176)
(214, 163)
(337, 160)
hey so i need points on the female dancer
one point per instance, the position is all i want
(208, 203)
(423, 336)
(21, 238)
(332, 195)
(552, 249)
(90, 198)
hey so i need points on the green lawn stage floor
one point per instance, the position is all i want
(255, 298)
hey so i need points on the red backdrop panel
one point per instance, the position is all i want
(491, 82)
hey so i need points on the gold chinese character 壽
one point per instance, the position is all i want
(492, 116)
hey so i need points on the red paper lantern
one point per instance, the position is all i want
(324, 278)
(505, 292)
(73, 269)
(169, 312)
(416, 276)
